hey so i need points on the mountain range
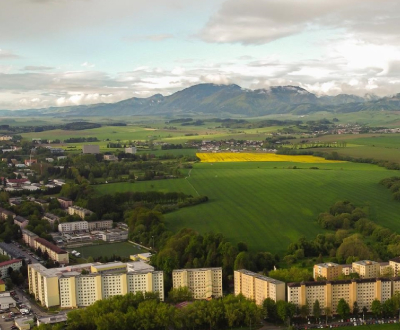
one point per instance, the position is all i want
(223, 101)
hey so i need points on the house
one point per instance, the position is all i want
(130, 150)
(24, 323)
(6, 302)
(42, 203)
(65, 202)
(21, 221)
(5, 138)
(110, 157)
(79, 211)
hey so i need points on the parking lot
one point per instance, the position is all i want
(22, 251)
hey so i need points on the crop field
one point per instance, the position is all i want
(258, 157)
(268, 205)
(123, 249)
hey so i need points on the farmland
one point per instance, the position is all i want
(270, 204)
(258, 157)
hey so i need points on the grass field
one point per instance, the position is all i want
(268, 205)
(123, 249)
(390, 326)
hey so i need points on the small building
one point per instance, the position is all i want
(30, 162)
(21, 221)
(130, 150)
(24, 323)
(91, 149)
(68, 227)
(114, 235)
(60, 318)
(42, 203)
(7, 302)
(2, 286)
(141, 256)
(5, 138)
(110, 158)
(64, 202)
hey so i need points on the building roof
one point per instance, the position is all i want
(17, 180)
(327, 265)
(197, 269)
(9, 262)
(20, 219)
(65, 199)
(50, 246)
(260, 276)
(397, 259)
(52, 319)
(365, 262)
(29, 233)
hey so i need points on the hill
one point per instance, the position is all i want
(223, 101)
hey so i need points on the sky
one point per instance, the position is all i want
(72, 52)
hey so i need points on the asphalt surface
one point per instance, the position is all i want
(17, 249)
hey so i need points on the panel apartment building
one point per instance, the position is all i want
(363, 291)
(67, 287)
(202, 282)
(258, 287)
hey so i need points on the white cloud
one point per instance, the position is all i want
(7, 55)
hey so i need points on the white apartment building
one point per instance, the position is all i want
(202, 282)
(67, 227)
(67, 287)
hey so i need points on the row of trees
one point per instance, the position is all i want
(145, 311)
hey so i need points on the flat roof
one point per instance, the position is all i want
(365, 262)
(327, 265)
(196, 269)
(260, 276)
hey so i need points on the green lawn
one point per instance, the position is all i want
(123, 249)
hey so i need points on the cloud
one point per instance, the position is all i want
(262, 21)
(36, 68)
(152, 37)
(88, 65)
(7, 55)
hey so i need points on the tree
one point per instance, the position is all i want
(376, 307)
(180, 294)
(356, 309)
(316, 309)
(304, 311)
(269, 306)
(328, 313)
(343, 308)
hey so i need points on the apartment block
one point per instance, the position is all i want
(202, 282)
(366, 268)
(55, 253)
(21, 221)
(258, 287)
(100, 225)
(15, 264)
(65, 202)
(68, 227)
(363, 291)
(29, 237)
(51, 218)
(395, 264)
(67, 287)
(80, 211)
(329, 271)
(5, 214)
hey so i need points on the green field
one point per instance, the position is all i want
(389, 326)
(123, 249)
(269, 205)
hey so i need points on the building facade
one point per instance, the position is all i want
(65, 202)
(366, 268)
(21, 221)
(329, 271)
(202, 282)
(80, 211)
(68, 288)
(91, 149)
(14, 264)
(258, 287)
(68, 227)
(100, 225)
(328, 293)
(29, 238)
(55, 253)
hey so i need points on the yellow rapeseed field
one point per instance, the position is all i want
(258, 157)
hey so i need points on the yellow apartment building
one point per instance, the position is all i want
(363, 291)
(68, 287)
(395, 264)
(329, 271)
(258, 287)
(55, 253)
(204, 283)
(366, 268)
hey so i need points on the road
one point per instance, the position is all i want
(18, 251)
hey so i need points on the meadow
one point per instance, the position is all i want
(270, 204)
(123, 249)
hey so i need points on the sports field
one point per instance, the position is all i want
(122, 249)
(270, 204)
